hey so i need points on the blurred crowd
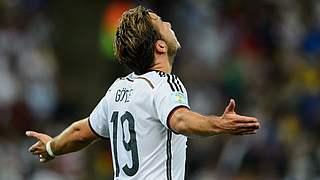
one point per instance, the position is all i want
(265, 54)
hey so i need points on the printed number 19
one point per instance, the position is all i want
(129, 146)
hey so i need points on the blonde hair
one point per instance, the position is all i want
(135, 40)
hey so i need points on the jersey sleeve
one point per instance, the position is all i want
(168, 96)
(98, 119)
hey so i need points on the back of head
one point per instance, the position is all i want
(135, 40)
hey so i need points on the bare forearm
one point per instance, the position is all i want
(193, 124)
(72, 139)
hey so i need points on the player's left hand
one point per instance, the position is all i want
(39, 148)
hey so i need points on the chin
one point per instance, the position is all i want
(178, 45)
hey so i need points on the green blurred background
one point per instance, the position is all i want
(56, 62)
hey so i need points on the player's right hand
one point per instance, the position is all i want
(39, 148)
(232, 123)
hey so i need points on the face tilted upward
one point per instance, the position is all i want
(136, 36)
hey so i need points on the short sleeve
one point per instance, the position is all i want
(98, 119)
(168, 96)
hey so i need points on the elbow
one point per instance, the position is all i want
(76, 127)
(178, 122)
(77, 132)
(188, 123)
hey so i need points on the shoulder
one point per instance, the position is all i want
(115, 85)
(161, 79)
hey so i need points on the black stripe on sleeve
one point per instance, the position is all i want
(169, 155)
(178, 82)
(168, 80)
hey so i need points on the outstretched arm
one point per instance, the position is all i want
(75, 137)
(191, 124)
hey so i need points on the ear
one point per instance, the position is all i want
(161, 46)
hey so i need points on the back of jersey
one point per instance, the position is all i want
(133, 114)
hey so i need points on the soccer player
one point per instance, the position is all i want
(145, 114)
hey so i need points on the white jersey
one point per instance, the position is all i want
(134, 114)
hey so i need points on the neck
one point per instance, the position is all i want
(162, 64)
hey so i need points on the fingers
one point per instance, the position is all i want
(41, 158)
(244, 132)
(231, 107)
(44, 157)
(38, 151)
(40, 136)
(233, 123)
(253, 125)
(33, 134)
(245, 119)
(246, 128)
(34, 147)
(39, 148)
(248, 132)
(41, 153)
(238, 126)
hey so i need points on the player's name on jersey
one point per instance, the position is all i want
(123, 95)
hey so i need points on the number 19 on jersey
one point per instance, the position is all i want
(130, 146)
